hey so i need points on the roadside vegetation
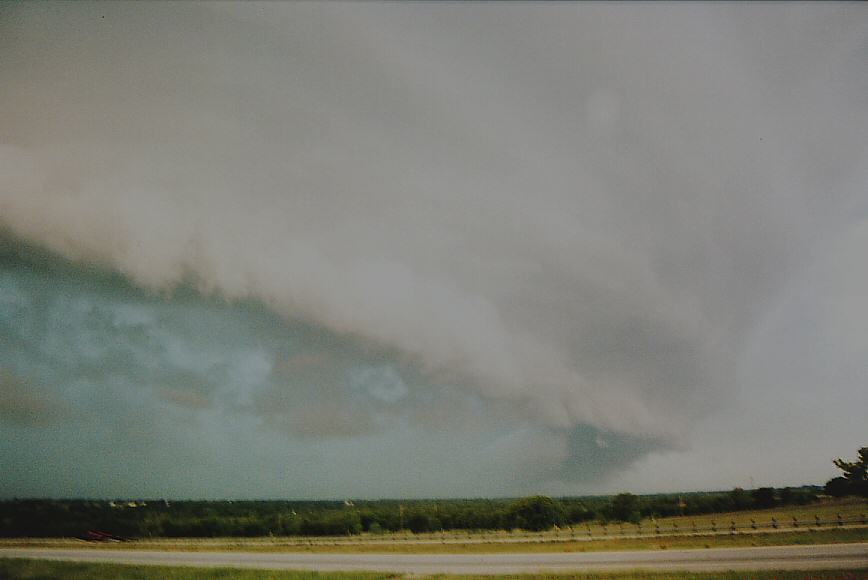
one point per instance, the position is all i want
(196, 519)
(18, 569)
(471, 545)
(568, 518)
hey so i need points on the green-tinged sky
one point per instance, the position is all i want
(321, 250)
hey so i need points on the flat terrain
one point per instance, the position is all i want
(54, 570)
(826, 556)
(674, 533)
(474, 546)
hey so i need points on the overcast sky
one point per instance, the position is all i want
(385, 249)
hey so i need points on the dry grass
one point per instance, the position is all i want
(830, 536)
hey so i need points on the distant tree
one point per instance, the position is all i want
(837, 487)
(624, 508)
(855, 474)
(579, 513)
(740, 499)
(764, 497)
(331, 523)
(535, 513)
(419, 522)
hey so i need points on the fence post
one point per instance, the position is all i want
(817, 520)
(795, 522)
(639, 527)
(713, 526)
(731, 526)
(753, 523)
(774, 523)
(589, 530)
(693, 523)
(840, 521)
(863, 519)
(674, 528)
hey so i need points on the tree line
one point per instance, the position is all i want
(161, 518)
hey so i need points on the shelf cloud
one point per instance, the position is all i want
(568, 219)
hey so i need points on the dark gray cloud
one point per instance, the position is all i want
(596, 456)
(152, 394)
(27, 404)
(553, 224)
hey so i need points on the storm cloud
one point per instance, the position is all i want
(559, 231)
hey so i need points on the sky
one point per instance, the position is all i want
(369, 250)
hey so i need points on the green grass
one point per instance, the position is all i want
(15, 569)
(20, 569)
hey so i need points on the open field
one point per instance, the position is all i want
(23, 569)
(814, 557)
(849, 508)
(565, 540)
(804, 537)
(17, 569)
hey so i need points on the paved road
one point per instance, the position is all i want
(766, 558)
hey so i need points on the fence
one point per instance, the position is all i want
(715, 527)
(577, 533)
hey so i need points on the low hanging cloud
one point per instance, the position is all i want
(28, 404)
(577, 212)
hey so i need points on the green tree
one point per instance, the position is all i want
(420, 521)
(578, 513)
(535, 513)
(624, 508)
(740, 499)
(855, 474)
(837, 487)
(764, 497)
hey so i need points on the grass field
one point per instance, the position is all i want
(613, 544)
(561, 541)
(13, 569)
(848, 508)
(832, 536)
